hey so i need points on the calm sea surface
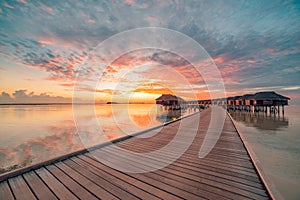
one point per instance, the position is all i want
(34, 133)
(31, 134)
(276, 142)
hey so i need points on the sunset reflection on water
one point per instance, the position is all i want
(35, 133)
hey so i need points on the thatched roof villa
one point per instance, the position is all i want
(168, 99)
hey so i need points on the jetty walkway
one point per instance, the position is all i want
(227, 172)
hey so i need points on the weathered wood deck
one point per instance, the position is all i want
(227, 172)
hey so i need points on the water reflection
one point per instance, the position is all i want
(31, 134)
(262, 121)
(170, 113)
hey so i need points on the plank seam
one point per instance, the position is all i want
(61, 182)
(11, 190)
(139, 179)
(90, 179)
(74, 181)
(107, 180)
(117, 178)
(29, 187)
(46, 184)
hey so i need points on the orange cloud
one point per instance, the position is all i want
(219, 60)
(46, 41)
(67, 84)
(153, 88)
(55, 78)
(91, 21)
(108, 91)
(110, 69)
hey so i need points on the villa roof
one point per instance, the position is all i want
(169, 97)
(230, 98)
(237, 97)
(270, 96)
(248, 96)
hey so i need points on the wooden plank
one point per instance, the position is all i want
(86, 183)
(183, 166)
(185, 181)
(177, 185)
(117, 181)
(55, 185)
(20, 188)
(100, 181)
(225, 170)
(77, 189)
(152, 189)
(213, 184)
(167, 187)
(191, 158)
(38, 186)
(188, 156)
(5, 192)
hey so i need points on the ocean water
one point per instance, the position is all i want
(275, 139)
(32, 134)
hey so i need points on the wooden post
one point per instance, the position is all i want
(282, 109)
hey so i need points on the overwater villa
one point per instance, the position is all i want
(169, 100)
(260, 101)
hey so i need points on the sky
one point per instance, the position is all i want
(46, 47)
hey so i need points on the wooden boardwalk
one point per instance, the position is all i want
(227, 172)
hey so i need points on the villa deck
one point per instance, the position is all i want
(227, 172)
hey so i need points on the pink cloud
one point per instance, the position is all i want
(47, 9)
(250, 61)
(270, 51)
(91, 21)
(83, 14)
(46, 41)
(219, 60)
(222, 59)
(23, 1)
(152, 20)
(129, 2)
(87, 17)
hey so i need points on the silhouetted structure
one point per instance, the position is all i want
(258, 102)
(169, 100)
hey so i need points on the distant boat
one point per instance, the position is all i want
(111, 102)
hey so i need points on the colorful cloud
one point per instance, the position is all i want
(55, 38)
